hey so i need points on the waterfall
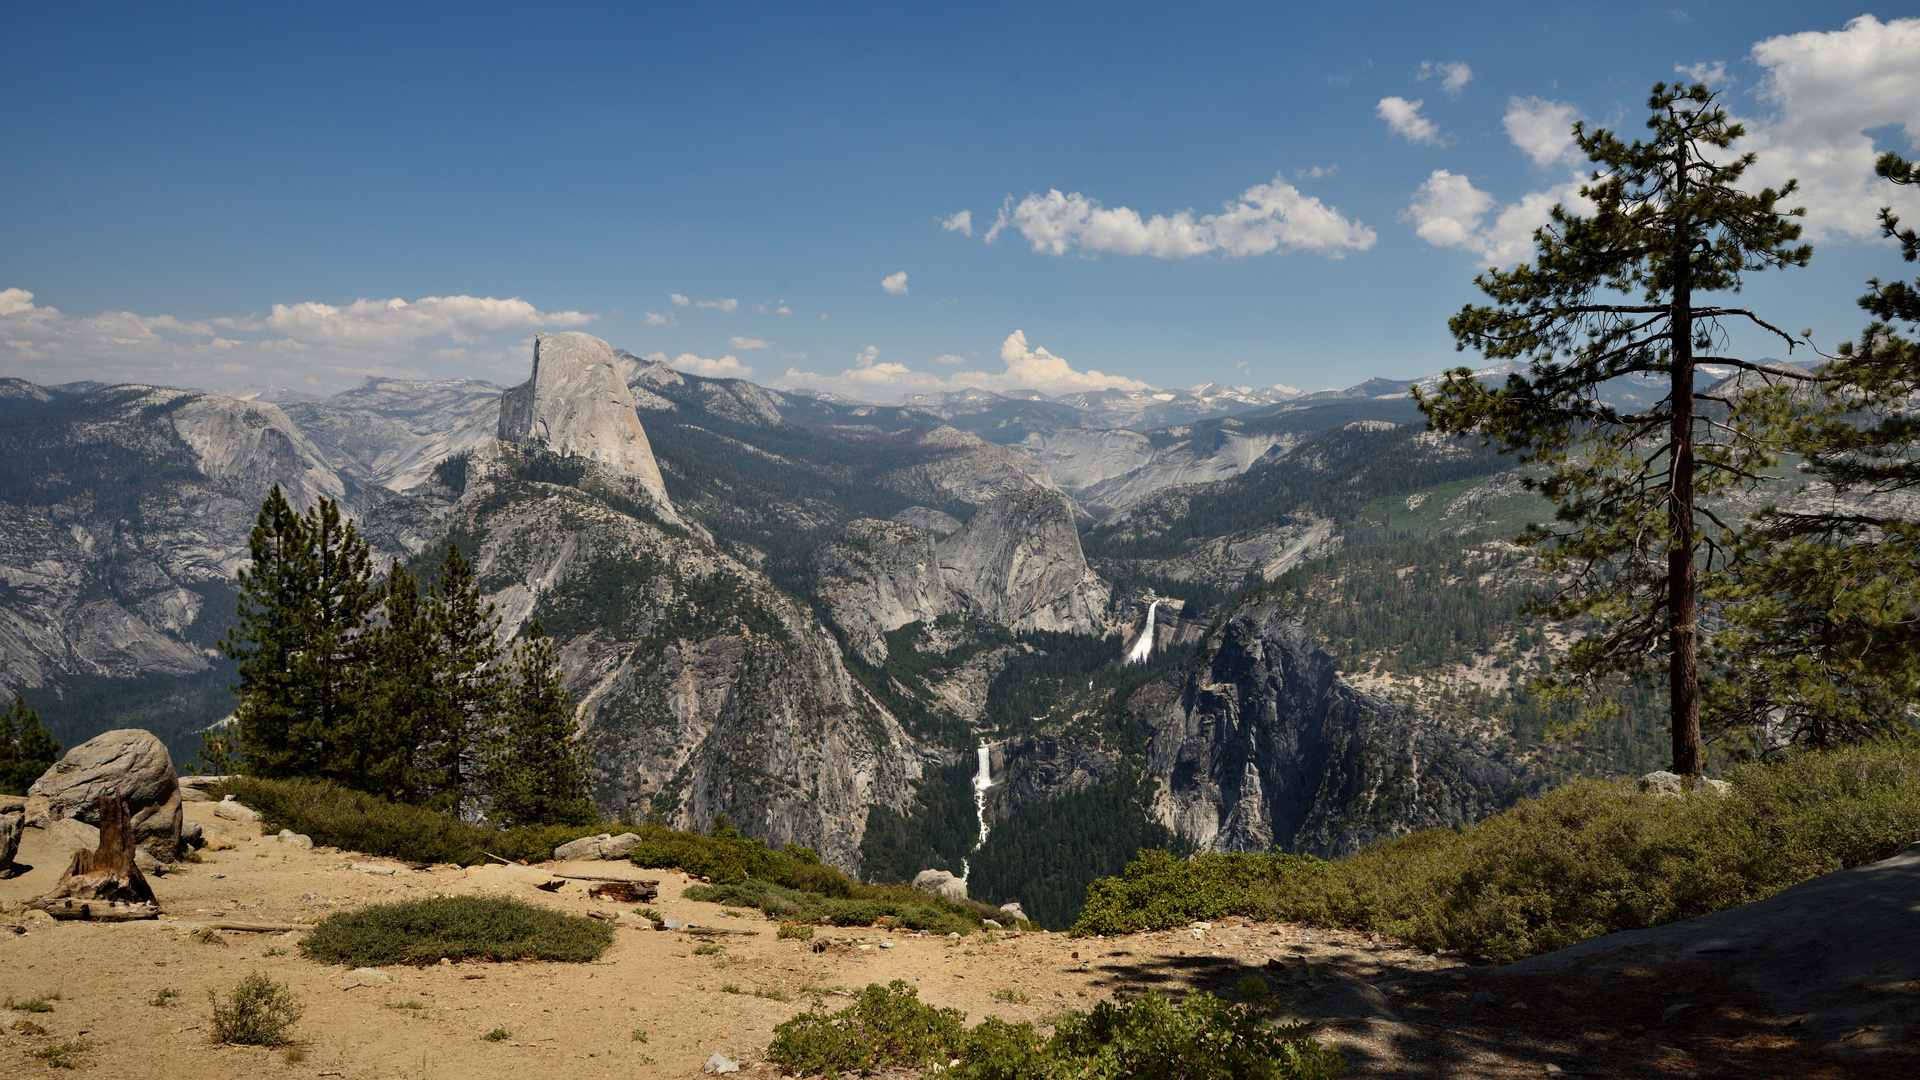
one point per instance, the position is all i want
(1143, 649)
(982, 780)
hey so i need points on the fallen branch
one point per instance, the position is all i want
(68, 908)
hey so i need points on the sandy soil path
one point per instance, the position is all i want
(652, 1007)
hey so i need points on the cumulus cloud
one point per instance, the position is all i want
(961, 223)
(1448, 211)
(1403, 118)
(1265, 217)
(1453, 77)
(1542, 129)
(657, 319)
(1827, 90)
(726, 367)
(307, 344)
(895, 284)
(727, 306)
(1714, 74)
(1024, 367)
(949, 358)
(678, 300)
(739, 342)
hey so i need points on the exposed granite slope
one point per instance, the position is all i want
(1018, 562)
(577, 404)
(879, 576)
(1266, 746)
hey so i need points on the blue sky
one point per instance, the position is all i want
(201, 196)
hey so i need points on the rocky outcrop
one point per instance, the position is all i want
(934, 521)
(1036, 768)
(879, 576)
(392, 432)
(10, 826)
(1266, 747)
(577, 404)
(129, 761)
(942, 884)
(251, 446)
(1018, 562)
(702, 689)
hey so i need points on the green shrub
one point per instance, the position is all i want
(498, 1034)
(708, 948)
(41, 1004)
(886, 1026)
(259, 1012)
(1587, 859)
(897, 903)
(454, 927)
(60, 1056)
(356, 821)
(1202, 1038)
(796, 931)
(1159, 892)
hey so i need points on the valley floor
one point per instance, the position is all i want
(582, 1018)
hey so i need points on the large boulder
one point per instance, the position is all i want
(942, 884)
(10, 826)
(131, 762)
(604, 846)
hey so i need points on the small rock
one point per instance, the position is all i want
(192, 834)
(991, 924)
(233, 811)
(1198, 933)
(207, 935)
(367, 869)
(1205, 926)
(886, 944)
(1484, 994)
(370, 975)
(1668, 784)
(671, 924)
(721, 1063)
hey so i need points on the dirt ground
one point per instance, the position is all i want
(653, 1007)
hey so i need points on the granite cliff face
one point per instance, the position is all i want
(1267, 747)
(578, 405)
(879, 576)
(1017, 562)
(702, 688)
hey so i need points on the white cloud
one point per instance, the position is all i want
(739, 342)
(1448, 211)
(1714, 74)
(1025, 368)
(727, 306)
(766, 307)
(1453, 77)
(1826, 90)
(1543, 129)
(678, 300)
(306, 344)
(1316, 173)
(727, 367)
(949, 358)
(1265, 217)
(895, 284)
(656, 319)
(1403, 118)
(961, 223)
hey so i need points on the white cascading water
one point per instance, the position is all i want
(982, 780)
(1143, 649)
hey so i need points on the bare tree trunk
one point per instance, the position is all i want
(1683, 615)
(106, 876)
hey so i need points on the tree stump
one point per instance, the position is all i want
(106, 873)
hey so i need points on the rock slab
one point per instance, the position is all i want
(133, 763)
(942, 884)
(604, 846)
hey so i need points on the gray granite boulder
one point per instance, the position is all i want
(131, 762)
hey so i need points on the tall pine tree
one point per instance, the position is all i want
(536, 769)
(305, 606)
(469, 685)
(400, 702)
(1621, 292)
(27, 748)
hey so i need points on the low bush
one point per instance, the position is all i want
(456, 928)
(796, 931)
(1587, 859)
(1201, 1038)
(259, 1012)
(898, 905)
(356, 821)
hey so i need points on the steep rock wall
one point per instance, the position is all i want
(879, 576)
(1018, 562)
(577, 403)
(1266, 747)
